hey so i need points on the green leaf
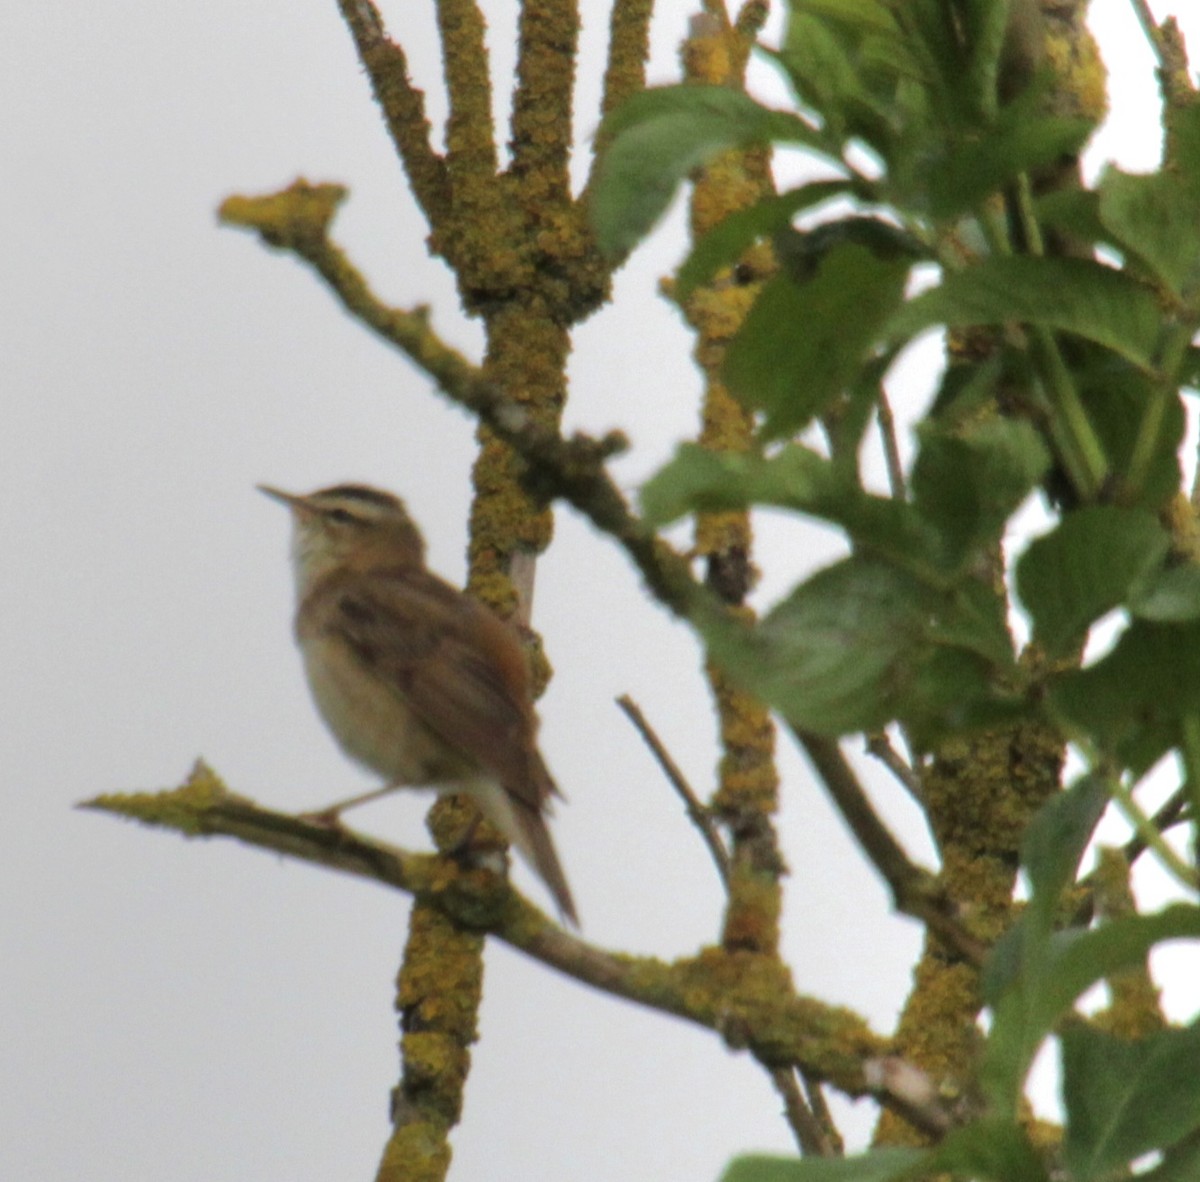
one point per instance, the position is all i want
(1024, 141)
(834, 656)
(1004, 964)
(802, 345)
(722, 245)
(880, 1165)
(1074, 212)
(1093, 561)
(1074, 295)
(968, 482)
(1055, 840)
(659, 136)
(967, 390)
(1124, 1098)
(1081, 958)
(1051, 850)
(1171, 596)
(1131, 702)
(1052, 976)
(974, 617)
(1154, 217)
(996, 1150)
(1117, 397)
(864, 642)
(1181, 1163)
(700, 480)
(949, 691)
(842, 63)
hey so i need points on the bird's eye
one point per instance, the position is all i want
(342, 516)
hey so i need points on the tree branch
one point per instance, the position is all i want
(297, 219)
(748, 999)
(914, 889)
(811, 1135)
(547, 36)
(470, 131)
(880, 746)
(697, 813)
(403, 107)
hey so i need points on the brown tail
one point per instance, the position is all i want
(518, 814)
(533, 840)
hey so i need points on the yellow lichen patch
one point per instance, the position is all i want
(728, 425)
(752, 917)
(983, 790)
(440, 992)
(417, 1151)
(181, 808)
(503, 516)
(733, 990)
(1074, 56)
(718, 533)
(732, 180)
(938, 1034)
(1180, 518)
(300, 213)
(432, 1060)
(717, 312)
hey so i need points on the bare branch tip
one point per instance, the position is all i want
(298, 215)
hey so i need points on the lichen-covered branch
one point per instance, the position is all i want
(628, 50)
(297, 220)
(747, 793)
(403, 107)
(470, 132)
(745, 997)
(915, 891)
(547, 36)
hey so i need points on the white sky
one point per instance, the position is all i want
(198, 1011)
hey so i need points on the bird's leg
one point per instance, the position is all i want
(331, 817)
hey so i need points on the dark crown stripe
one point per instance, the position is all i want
(360, 492)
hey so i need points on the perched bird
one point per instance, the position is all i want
(416, 680)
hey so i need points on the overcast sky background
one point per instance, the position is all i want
(199, 1010)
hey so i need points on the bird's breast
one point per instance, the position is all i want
(372, 721)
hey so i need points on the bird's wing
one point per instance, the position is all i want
(457, 666)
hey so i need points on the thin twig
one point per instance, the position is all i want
(1172, 813)
(697, 813)
(628, 52)
(891, 447)
(812, 1137)
(1150, 27)
(547, 42)
(913, 1094)
(779, 1027)
(914, 889)
(880, 746)
(815, 1095)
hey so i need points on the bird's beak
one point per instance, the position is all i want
(291, 500)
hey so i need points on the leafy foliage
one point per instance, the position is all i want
(1066, 384)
